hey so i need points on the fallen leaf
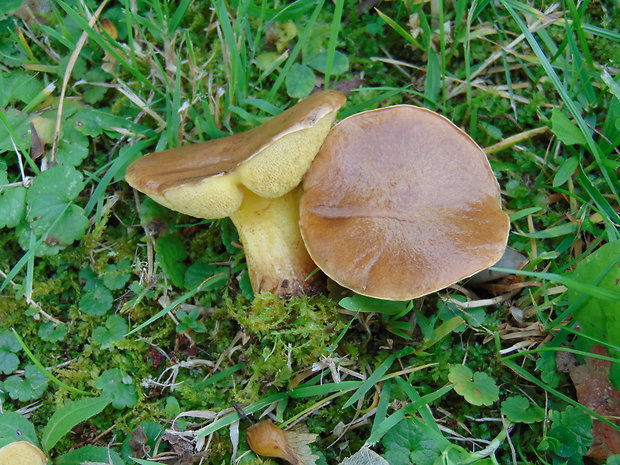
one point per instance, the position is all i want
(365, 456)
(137, 443)
(268, 440)
(596, 392)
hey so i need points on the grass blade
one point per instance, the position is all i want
(585, 288)
(296, 50)
(376, 376)
(568, 101)
(333, 37)
(44, 370)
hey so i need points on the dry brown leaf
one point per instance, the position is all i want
(596, 392)
(138, 443)
(365, 456)
(268, 440)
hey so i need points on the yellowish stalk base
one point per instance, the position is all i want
(275, 252)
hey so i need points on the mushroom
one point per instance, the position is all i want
(22, 453)
(251, 177)
(400, 203)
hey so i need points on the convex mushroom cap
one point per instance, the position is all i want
(250, 177)
(22, 453)
(400, 203)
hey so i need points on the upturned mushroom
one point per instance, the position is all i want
(253, 178)
(400, 203)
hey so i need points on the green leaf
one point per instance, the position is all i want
(87, 274)
(339, 66)
(93, 123)
(115, 328)
(52, 332)
(518, 409)
(19, 127)
(478, 388)
(116, 276)
(94, 94)
(189, 320)
(48, 197)
(565, 171)
(553, 231)
(199, 271)
(413, 442)
(599, 318)
(12, 206)
(8, 341)
(172, 408)
(90, 454)
(72, 147)
(8, 362)
(68, 416)
(564, 129)
(30, 387)
(360, 303)
(300, 81)
(9, 6)
(97, 301)
(570, 434)
(171, 253)
(15, 427)
(613, 460)
(118, 388)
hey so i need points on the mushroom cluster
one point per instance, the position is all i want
(396, 203)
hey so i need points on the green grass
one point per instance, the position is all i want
(537, 86)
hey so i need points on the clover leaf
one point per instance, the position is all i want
(96, 301)
(52, 332)
(8, 362)
(340, 63)
(8, 346)
(299, 81)
(73, 146)
(413, 441)
(117, 387)
(49, 200)
(30, 387)
(18, 131)
(548, 368)
(189, 320)
(116, 276)
(478, 388)
(12, 206)
(570, 434)
(115, 328)
(518, 409)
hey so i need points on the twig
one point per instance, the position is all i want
(515, 139)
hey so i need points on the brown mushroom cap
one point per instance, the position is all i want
(400, 203)
(206, 180)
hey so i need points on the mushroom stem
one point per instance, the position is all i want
(275, 252)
